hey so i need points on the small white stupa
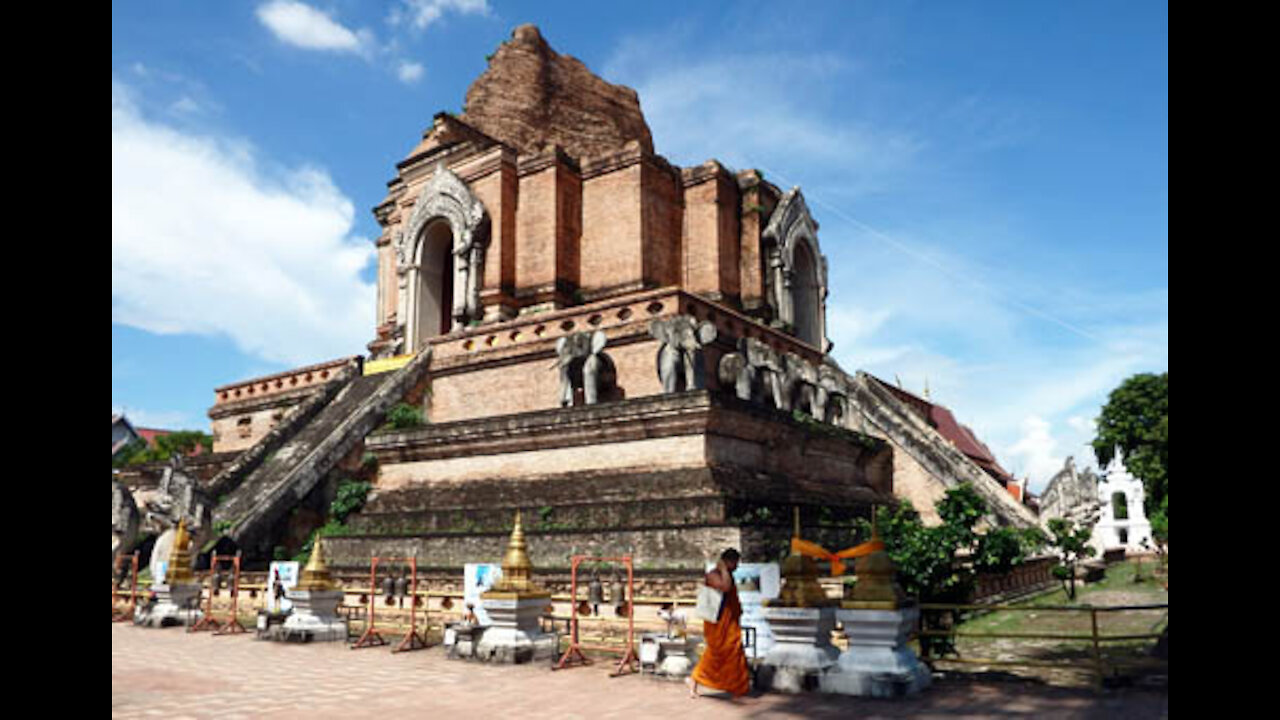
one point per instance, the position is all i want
(1122, 522)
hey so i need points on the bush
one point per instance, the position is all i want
(404, 417)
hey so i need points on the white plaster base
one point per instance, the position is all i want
(315, 617)
(173, 606)
(878, 662)
(802, 648)
(678, 656)
(514, 634)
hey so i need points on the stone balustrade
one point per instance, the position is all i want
(273, 385)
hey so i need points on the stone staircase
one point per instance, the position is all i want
(287, 473)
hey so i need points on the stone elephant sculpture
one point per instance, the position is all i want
(680, 361)
(582, 363)
(831, 396)
(755, 372)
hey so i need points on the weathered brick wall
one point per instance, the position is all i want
(671, 548)
(612, 230)
(662, 210)
(533, 383)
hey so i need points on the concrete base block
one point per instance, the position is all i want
(314, 618)
(878, 662)
(802, 649)
(174, 605)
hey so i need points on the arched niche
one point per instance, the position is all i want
(435, 280)
(806, 303)
(440, 260)
(796, 277)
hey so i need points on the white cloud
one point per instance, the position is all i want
(303, 26)
(421, 14)
(993, 364)
(208, 238)
(410, 72)
(1036, 451)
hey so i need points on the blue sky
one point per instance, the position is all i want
(991, 180)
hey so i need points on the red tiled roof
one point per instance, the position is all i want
(941, 419)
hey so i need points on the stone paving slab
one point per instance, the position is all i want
(173, 674)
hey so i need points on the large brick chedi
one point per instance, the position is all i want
(631, 353)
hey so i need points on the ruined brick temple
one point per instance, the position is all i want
(632, 353)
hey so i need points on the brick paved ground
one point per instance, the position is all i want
(171, 674)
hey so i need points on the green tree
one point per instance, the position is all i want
(181, 443)
(940, 564)
(1136, 421)
(1071, 542)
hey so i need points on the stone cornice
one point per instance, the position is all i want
(252, 405)
(280, 383)
(556, 156)
(709, 170)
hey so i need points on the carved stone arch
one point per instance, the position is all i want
(445, 198)
(797, 272)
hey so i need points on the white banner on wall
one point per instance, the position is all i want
(281, 578)
(477, 580)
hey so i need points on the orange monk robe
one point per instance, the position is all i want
(723, 665)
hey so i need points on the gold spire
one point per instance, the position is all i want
(800, 587)
(517, 570)
(179, 569)
(877, 587)
(315, 576)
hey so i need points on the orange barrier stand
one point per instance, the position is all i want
(371, 637)
(231, 624)
(573, 656)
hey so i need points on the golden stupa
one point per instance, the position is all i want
(517, 570)
(877, 587)
(315, 576)
(800, 587)
(178, 571)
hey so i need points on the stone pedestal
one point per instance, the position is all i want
(676, 657)
(878, 662)
(802, 648)
(514, 634)
(177, 604)
(315, 617)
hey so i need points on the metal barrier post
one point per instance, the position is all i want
(233, 626)
(412, 641)
(371, 637)
(208, 622)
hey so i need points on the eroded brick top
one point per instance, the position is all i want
(531, 97)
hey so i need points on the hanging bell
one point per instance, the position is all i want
(402, 589)
(389, 589)
(595, 591)
(617, 591)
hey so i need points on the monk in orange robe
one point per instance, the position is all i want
(723, 665)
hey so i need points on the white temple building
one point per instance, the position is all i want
(1122, 521)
